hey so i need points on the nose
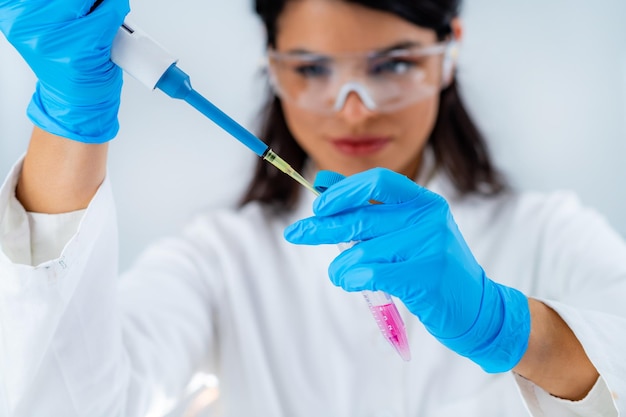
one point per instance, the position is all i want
(354, 88)
(354, 110)
(354, 103)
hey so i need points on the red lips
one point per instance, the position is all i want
(359, 146)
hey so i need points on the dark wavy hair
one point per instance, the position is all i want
(458, 146)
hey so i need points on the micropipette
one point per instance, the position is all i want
(145, 60)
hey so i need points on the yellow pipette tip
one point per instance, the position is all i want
(279, 163)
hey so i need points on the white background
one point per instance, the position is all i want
(545, 80)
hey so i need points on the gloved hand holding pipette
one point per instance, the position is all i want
(68, 48)
(410, 247)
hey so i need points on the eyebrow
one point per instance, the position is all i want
(378, 51)
(396, 46)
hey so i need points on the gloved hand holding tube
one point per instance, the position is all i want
(68, 48)
(411, 247)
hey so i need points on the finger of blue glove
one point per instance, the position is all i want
(46, 11)
(363, 267)
(378, 184)
(22, 17)
(358, 224)
(372, 220)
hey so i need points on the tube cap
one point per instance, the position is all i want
(325, 179)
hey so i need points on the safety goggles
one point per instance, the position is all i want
(385, 81)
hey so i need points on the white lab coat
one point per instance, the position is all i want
(230, 296)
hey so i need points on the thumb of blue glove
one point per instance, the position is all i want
(68, 48)
(410, 247)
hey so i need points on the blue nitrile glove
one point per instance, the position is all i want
(410, 247)
(78, 90)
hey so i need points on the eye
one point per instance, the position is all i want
(312, 70)
(392, 66)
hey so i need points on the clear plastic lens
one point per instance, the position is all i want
(384, 81)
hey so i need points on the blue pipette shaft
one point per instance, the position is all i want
(226, 122)
(177, 84)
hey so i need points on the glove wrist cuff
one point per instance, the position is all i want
(499, 337)
(96, 123)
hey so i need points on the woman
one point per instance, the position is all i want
(231, 296)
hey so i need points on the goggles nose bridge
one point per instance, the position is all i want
(360, 90)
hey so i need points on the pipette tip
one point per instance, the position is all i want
(271, 157)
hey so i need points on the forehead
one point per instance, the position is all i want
(335, 26)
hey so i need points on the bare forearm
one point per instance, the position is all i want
(555, 359)
(60, 175)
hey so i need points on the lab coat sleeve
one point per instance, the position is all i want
(582, 276)
(76, 340)
(597, 403)
(48, 235)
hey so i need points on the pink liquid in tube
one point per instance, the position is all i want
(389, 322)
(387, 317)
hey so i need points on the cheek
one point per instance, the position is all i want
(418, 120)
(302, 124)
